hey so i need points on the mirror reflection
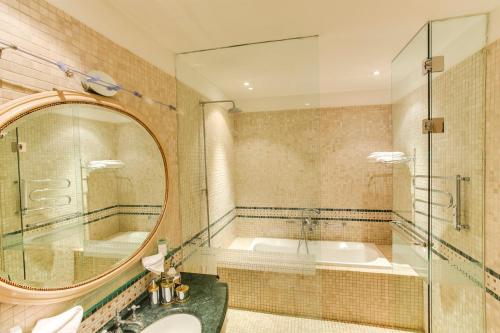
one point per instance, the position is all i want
(81, 188)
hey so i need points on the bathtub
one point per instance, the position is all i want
(326, 253)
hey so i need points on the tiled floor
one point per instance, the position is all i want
(239, 321)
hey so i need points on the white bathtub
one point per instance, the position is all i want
(336, 253)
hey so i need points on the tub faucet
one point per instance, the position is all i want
(308, 220)
(310, 223)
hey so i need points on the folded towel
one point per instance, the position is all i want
(66, 322)
(388, 157)
(106, 164)
(154, 263)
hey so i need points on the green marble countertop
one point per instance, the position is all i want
(208, 301)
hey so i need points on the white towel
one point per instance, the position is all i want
(66, 322)
(154, 263)
(388, 157)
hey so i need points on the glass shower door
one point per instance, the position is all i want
(438, 109)
(50, 194)
(457, 169)
(410, 256)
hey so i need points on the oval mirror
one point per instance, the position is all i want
(82, 189)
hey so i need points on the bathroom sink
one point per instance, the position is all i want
(175, 323)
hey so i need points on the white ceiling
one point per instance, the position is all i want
(356, 36)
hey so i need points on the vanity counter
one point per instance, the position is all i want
(208, 301)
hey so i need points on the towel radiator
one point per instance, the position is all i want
(453, 200)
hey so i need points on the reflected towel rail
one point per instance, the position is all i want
(57, 184)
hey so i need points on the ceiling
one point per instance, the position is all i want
(357, 37)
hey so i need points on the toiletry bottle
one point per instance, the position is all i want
(167, 290)
(154, 293)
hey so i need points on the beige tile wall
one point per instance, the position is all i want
(40, 27)
(492, 184)
(312, 158)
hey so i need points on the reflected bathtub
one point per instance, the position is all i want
(326, 253)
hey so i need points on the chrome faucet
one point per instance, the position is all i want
(308, 220)
(310, 223)
(119, 322)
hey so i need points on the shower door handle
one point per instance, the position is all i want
(457, 213)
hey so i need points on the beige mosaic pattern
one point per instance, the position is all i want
(241, 321)
(312, 153)
(492, 181)
(334, 225)
(40, 27)
(348, 295)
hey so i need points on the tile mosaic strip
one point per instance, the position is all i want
(466, 264)
(93, 216)
(322, 209)
(325, 214)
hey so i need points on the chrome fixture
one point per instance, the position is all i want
(433, 65)
(457, 218)
(233, 109)
(57, 200)
(119, 322)
(453, 200)
(434, 125)
(70, 72)
(413, 239)
(307, 222)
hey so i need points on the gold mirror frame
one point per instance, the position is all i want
(14, 293)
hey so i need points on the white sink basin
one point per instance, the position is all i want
(176, 323)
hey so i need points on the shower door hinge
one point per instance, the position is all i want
(434, 125)
(433, 65)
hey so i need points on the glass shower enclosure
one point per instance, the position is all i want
(438, 106)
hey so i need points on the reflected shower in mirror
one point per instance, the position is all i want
(81, 188)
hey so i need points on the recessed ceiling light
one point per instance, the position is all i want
(250, 88)
(246, 83)
(307, 104)
(376, 72)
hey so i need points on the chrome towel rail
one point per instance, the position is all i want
(411, 239)
(454, 201)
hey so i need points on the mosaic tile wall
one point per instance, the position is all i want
(305, 158)
(40, 27)
(353, 296)
(361, 225)
(492, 193)
(311, 158)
